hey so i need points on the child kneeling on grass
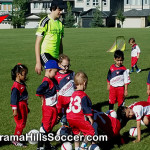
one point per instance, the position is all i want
(139, 111)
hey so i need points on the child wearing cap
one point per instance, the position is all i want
(48, 43)
(47, 92)
(117, 80)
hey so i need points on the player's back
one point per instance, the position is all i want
(108, 125)
(78, 106)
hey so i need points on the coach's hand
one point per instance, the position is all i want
(38, 68)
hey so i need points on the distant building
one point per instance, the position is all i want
(6, 8)
(136, 13)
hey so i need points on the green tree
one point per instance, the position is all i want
(97, 20)
(19, 10)
(69, 18)
(148, 19)
(42, 15)
(120, 17)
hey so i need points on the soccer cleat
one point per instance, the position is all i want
(139, 70)
(40, 148)
(19, 144)
(131, 71)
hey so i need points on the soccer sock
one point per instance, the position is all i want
(136, 67)
(83, 145)
(111, 106)
(132, 68)
(40, 143)
(77, 148)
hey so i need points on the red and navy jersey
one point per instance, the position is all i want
(48, 90)
(140, 109)
(105, 123)
(79, 106)
(66, 83)
(18, 93)
(148, 79)
(118, 76)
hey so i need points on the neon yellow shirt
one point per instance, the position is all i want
(52, 32)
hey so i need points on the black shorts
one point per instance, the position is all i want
(45, 57)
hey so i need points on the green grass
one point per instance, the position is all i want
(87, 50)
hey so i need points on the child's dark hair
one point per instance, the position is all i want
(132, 40)
(119, 54)
(19, 68)
(121, 116)
(121, 112)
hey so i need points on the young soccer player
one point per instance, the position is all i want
(65, 79)
(79, 110)
(104, 124)
(135, 54)
(148, 87)
(19, 98)
(117, 80)
(139, 111)
(47, 92)
(49, 36)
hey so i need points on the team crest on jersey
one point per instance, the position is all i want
(68, 78)
(117, 72)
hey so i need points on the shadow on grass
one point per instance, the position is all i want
(146, 69)
(4, 143)
(132, 97)
(99, 106)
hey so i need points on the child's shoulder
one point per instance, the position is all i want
(18, 85)
(79, 93)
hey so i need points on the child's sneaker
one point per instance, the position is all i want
(40, 148)
(131, 71)
(16, 143)
(139, 70)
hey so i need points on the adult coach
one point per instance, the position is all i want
(48, 43)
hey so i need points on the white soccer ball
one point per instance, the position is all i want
(33, 136)
(112, 113)
(66, 146)
(94, 147)
(133, 131)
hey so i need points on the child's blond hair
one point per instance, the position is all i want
(62, 57)
(80, 78)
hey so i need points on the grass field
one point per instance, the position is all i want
(87, 50)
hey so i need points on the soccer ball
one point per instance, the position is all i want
(112, 113)
(94, 147)
(33, 136)
(64, 130)
(66, 146)
(133, 131)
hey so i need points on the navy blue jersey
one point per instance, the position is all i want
(118, 76)
(18, 93)
(66, 83)
(48, 90)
